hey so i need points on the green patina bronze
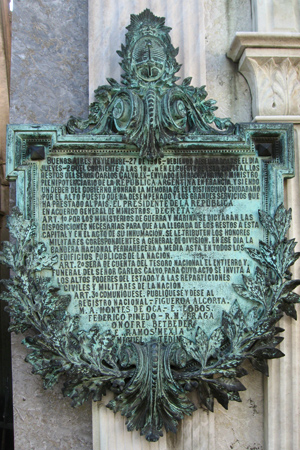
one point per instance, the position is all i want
(148, 249)
(148, 107)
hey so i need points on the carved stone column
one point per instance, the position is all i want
(270, 61)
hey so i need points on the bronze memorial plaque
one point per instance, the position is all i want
(149, 254)
(148, 249)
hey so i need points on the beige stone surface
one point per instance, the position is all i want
(224, 83)
(44, 420)
(242, 427)
(282, 399)
(270, 62)
(276, 15)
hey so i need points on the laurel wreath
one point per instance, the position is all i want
(150, 380)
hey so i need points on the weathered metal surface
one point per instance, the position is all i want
(148, 108)
(162, 250)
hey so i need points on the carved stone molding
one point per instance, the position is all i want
(269, 61)
(276, 83)
(271, 66)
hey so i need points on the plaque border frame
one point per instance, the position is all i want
(27, 144)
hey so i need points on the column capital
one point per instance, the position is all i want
(270, 62)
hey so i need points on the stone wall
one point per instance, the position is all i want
(49, 68)
(49, 82)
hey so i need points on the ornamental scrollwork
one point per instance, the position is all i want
(148, 108)
(150, 380)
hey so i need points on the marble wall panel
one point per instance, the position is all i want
(49, 68)
(49, 82)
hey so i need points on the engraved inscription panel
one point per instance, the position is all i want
(150, 249)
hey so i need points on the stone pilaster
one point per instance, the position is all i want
(270, 61)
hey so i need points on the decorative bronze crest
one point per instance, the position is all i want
(149, 113)
(148, 108)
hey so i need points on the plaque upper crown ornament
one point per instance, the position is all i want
(147, 107)
(148, 55)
